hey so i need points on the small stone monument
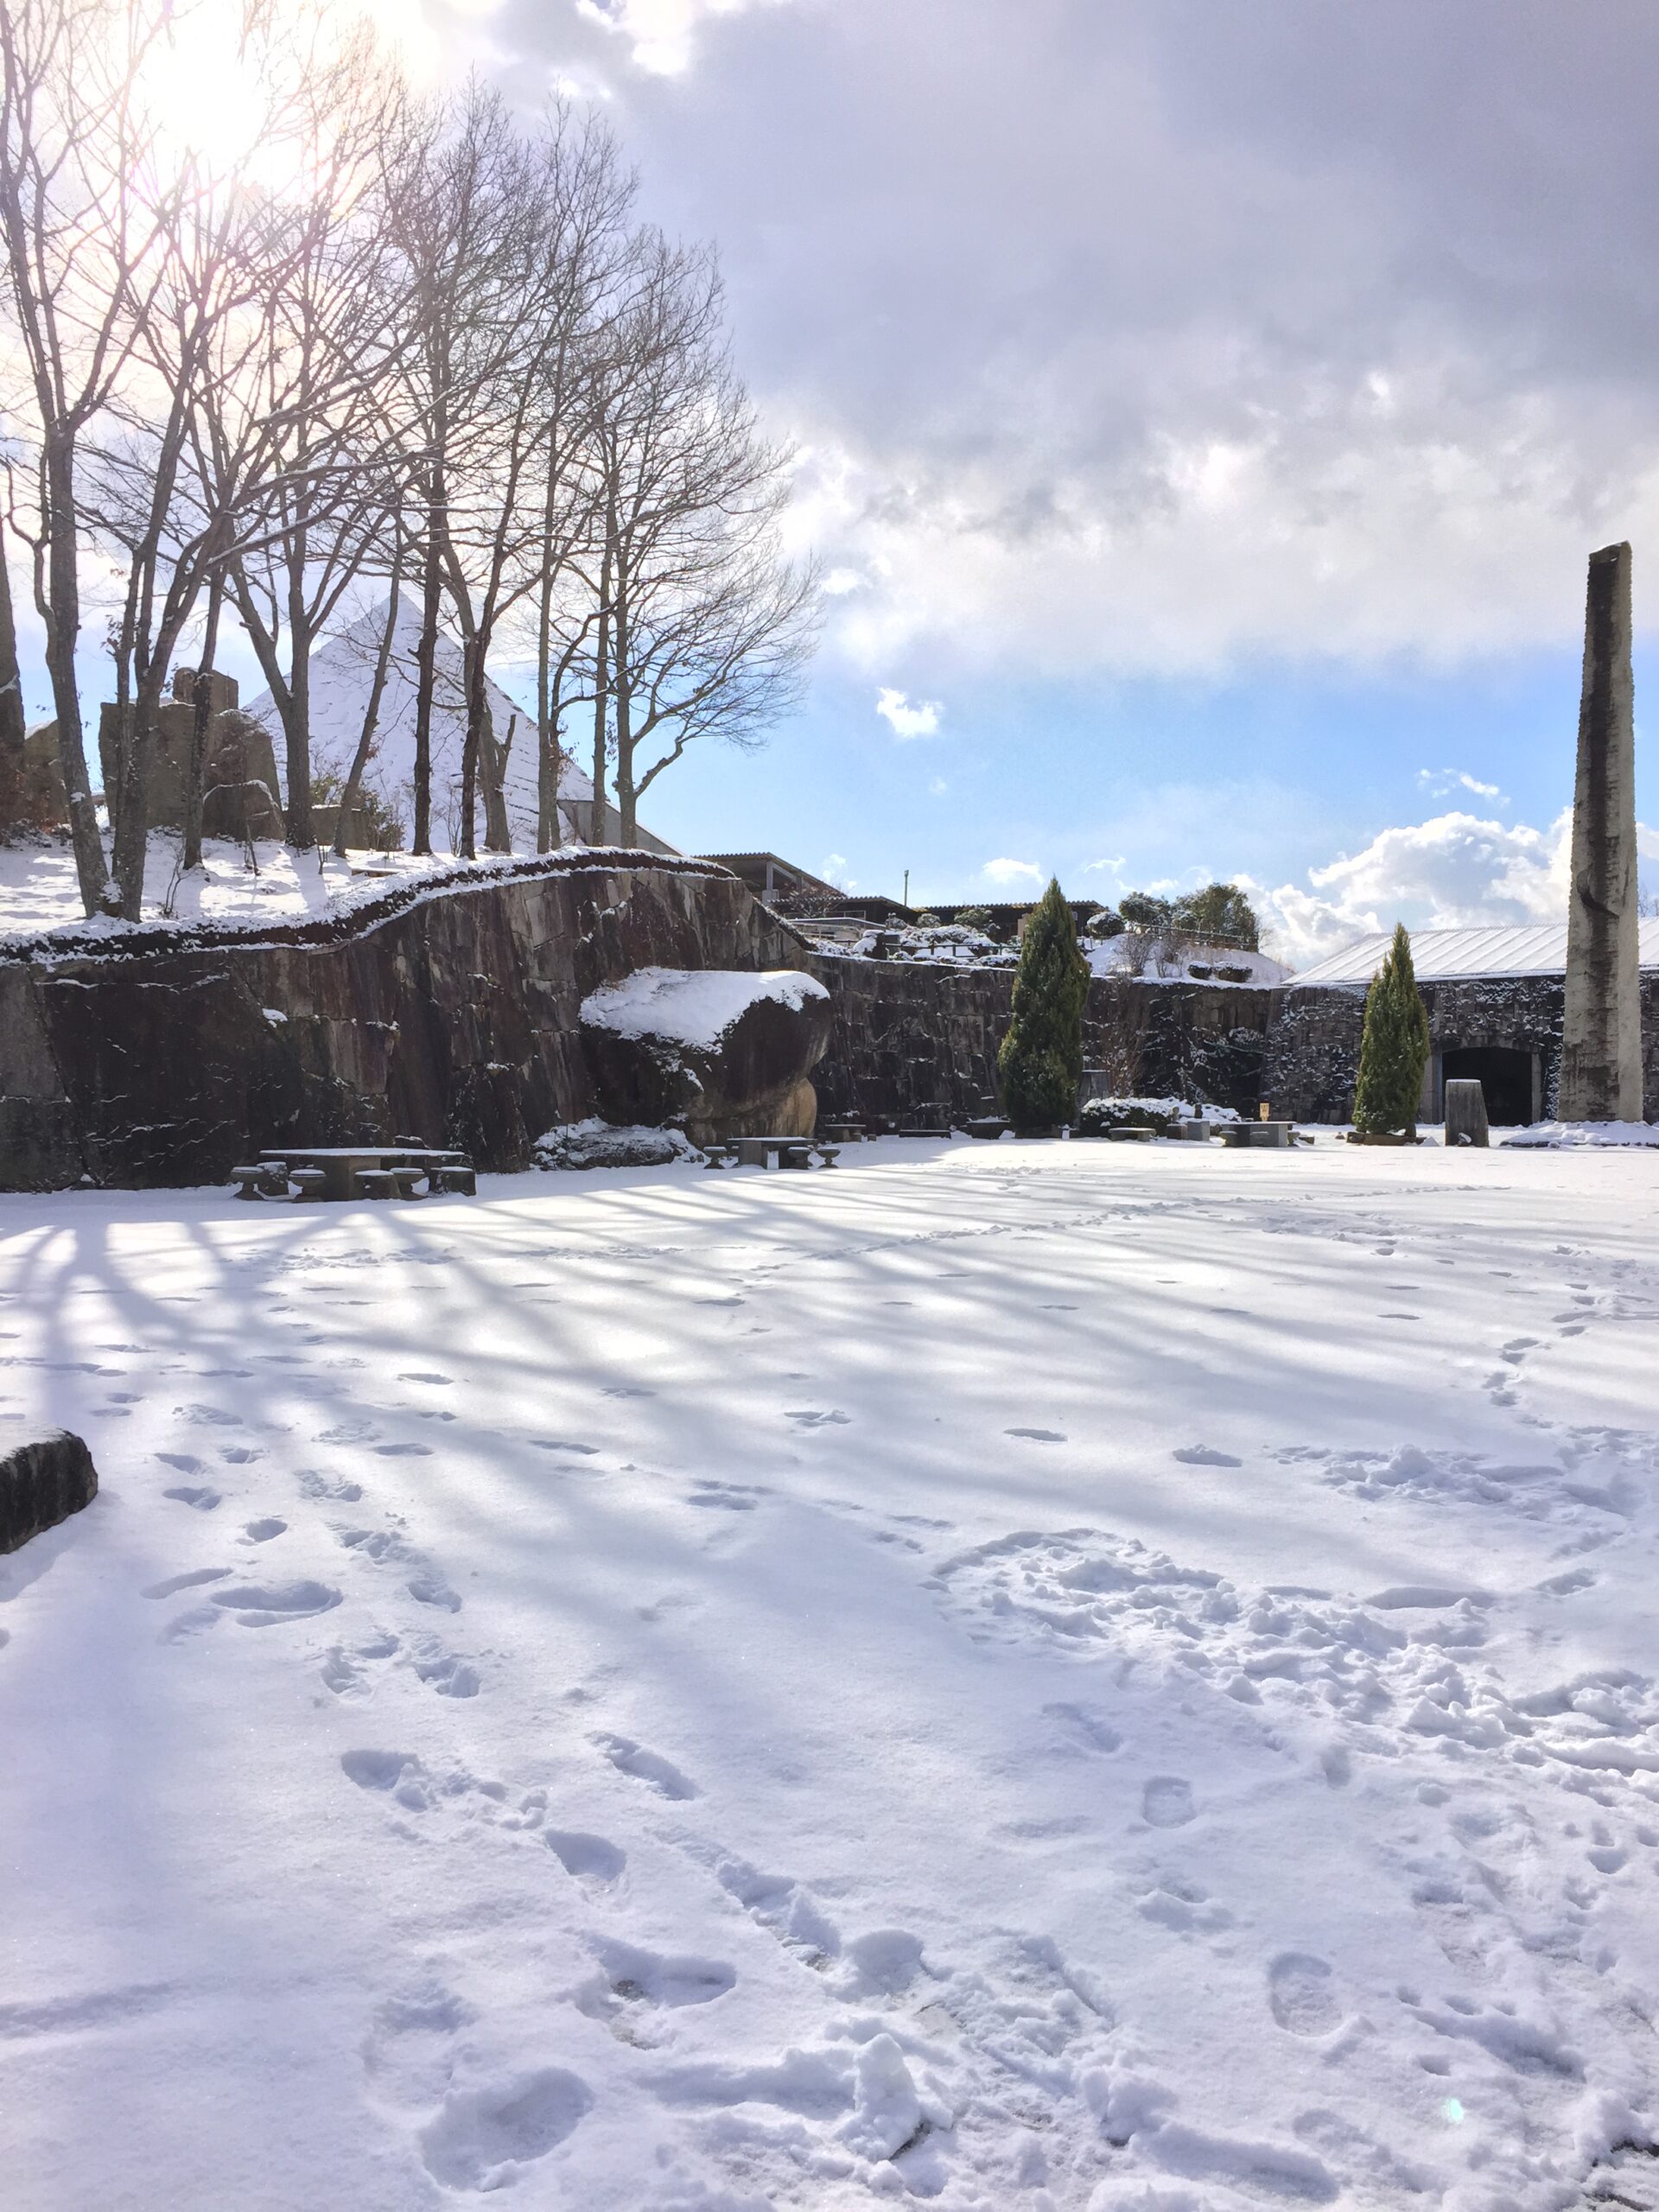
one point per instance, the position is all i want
(1601, 1030)
(1465, 1113)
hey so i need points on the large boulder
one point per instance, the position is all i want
(42, 1483)
(717, 1051)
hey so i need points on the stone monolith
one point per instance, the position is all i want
(1601, 1040)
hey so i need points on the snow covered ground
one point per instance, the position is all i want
(1035, 1676)
(39, 890)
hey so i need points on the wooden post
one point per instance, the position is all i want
(1465, 1113)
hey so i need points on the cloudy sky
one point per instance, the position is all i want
(1204, 414)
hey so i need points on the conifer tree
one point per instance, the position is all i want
(1041, 1062)
(1393, 1047)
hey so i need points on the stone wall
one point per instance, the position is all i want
(909, 1039)
(448, 1011)
(1312, 1056)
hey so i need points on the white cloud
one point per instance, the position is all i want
(1105, 867)
(1322, 535)
(920, 721)
(938, 787)
(1008, 873)
(833, 869)
(1453, 871)
(1440, 782)
(840, 582)
(660, 35)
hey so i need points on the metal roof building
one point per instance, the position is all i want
(1452, 956)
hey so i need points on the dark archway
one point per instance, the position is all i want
(1505, 1074)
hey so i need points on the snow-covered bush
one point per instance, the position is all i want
(1161, 1114)
(593, 1143)
(948, 944)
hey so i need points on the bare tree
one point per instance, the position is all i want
(80, 253)
(333, 344)
(525, 496)
(459, 214)
(708, 624)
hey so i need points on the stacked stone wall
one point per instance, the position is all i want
(916, 1040)
(448, 1011)
(1313, 1051)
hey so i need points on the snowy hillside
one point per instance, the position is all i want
(1030, 1678)
(342, 677)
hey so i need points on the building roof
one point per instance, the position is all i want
(770, 875)
(1444, 955)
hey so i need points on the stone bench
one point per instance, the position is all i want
(268, 1181)
(1240, 1136)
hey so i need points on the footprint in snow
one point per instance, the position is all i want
(649, 1767)
(267, 1604)
(808, 1417)
(1205, 1455)
(261, 1532)
(632, 1976)
(408, 2054)
(483, 2139)
(1167, 1801)
(346, 1431)
(626, 1390)
(1085, 1727)
(201, 1499)
(1301, 1993)
(433, 1590)
(207, 1417)
(175, 1583)
(587, 1858)
(443, 1382)
(1038, 1435)
(564, 1443)
(240, 1455)
(317, 1485)
(404, 1451)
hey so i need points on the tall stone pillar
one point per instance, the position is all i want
(1601, 1042)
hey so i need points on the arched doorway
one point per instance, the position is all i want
(1505, 1073)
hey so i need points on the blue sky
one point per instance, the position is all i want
(1205, 413)
(1118, 784)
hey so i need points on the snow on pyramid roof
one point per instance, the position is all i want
(342, 677)
(1442, 956)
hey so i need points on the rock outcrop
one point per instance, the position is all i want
(719, 1053)
(447, 1008)
(42, 1482)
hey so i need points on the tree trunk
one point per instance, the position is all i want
(12, 688)
(298, 724)
(624, 698)
(201, 715)
(132, 831)
(492, 759)
(370, 718)
(425, 664)
(59, 606)
(472, 655)
(596, 820)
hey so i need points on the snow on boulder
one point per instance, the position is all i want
(593, 1143)
(720, 1051)
(42, 1483)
